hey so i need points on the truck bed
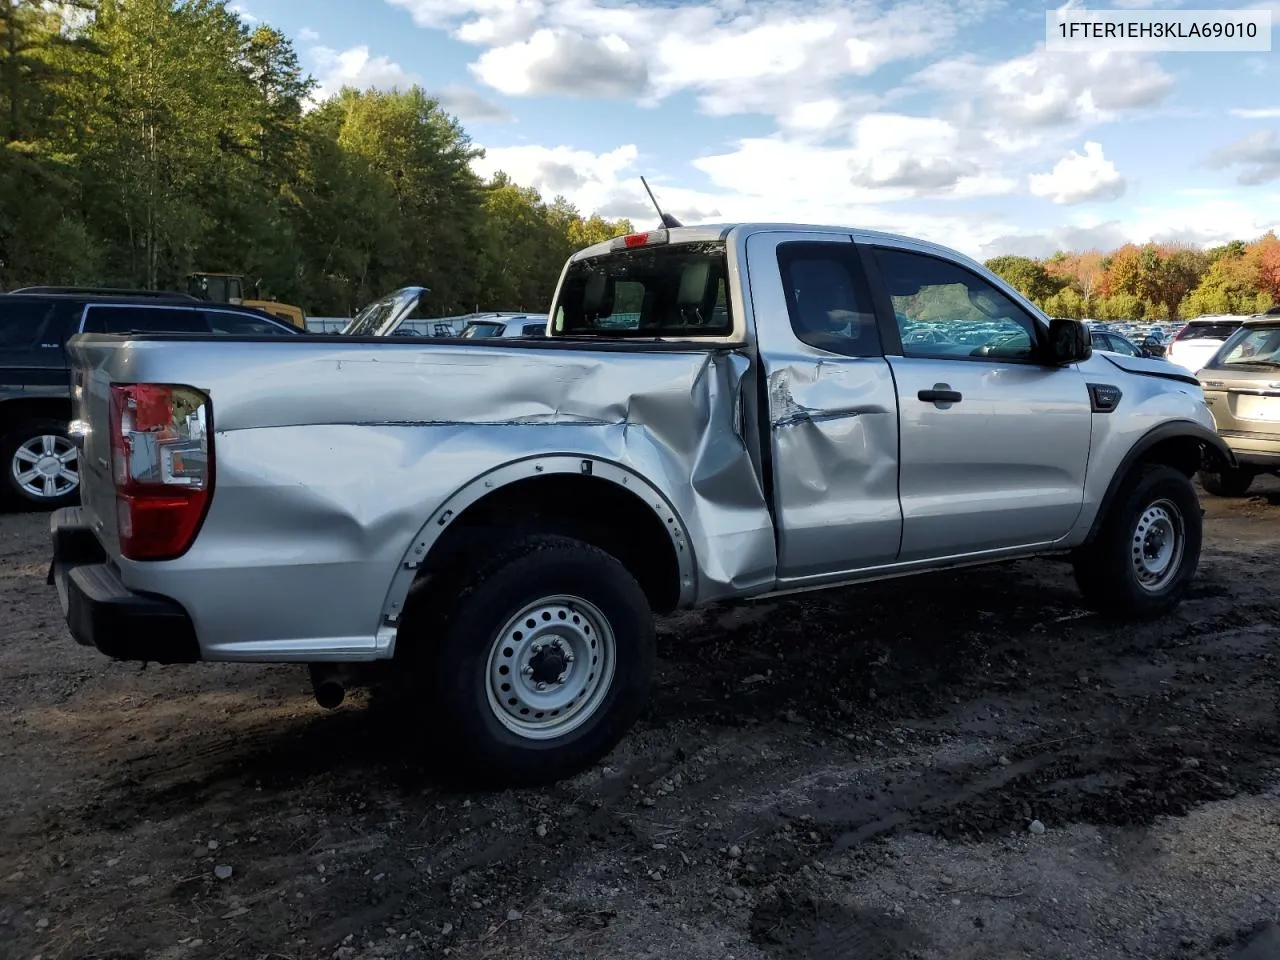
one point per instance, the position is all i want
(334, 455)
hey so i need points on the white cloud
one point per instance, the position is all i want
(1044, 89)
(470, 106)
(766, 56)
(565, 63)
(591, 180)
(608, 183)
(892, 157)
(1079, 177)
(1204, 222)
(307, 35)
(842, 148)
(243, 13)
(1257, 156)
(1257, 113)
(356, 67)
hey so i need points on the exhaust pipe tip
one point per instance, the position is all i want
(327, 685)
(330, 694)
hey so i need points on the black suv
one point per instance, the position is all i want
(37, 458)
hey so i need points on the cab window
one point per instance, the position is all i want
(125, 318)
(946, 311)
(827, 298)
(655, 291)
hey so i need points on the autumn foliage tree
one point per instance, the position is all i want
(1151, 282)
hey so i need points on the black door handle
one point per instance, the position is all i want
(940, 396)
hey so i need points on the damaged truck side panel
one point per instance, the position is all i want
(360, 466)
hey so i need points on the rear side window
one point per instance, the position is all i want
(828, 299)
(236, 324)
(534, 330)
(1208, 331)
(658, 291)
(109, 318)
(23, 323)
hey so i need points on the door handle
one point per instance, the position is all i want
(941, 393)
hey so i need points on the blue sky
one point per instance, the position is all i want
(945, 119)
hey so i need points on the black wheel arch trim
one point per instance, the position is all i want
(1158, 434)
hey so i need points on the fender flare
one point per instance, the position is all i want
(1158, 434)
(501, 476)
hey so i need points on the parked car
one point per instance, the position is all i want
(491, 523)
(1114, 343)
(1200, 339)
(1242, 388)
(37, 456)
(506, 325)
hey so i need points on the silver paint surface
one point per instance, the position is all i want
(339, 463)
(332, 459)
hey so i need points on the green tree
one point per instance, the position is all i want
(1028, 276)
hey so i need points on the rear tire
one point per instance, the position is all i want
(41, 465)
(544, 662)
(1147, 551)
(1231, 482)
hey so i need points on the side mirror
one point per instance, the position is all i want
(1069, 342)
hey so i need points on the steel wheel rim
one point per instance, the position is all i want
(566, 645)
(46, 466)
(1157, 545)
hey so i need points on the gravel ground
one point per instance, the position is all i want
(955, 766)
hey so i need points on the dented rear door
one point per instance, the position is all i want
(830, 407)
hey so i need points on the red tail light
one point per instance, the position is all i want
(162, 464)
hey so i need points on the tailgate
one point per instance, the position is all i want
(91, 413)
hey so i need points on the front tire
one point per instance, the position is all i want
(1147, 551)
(41, 465)
(1231, 482)
(544, 663)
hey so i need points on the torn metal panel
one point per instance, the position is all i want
(332, 456)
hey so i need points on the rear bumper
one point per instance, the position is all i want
(1257, 451)
(1259, 461)
(102, 612)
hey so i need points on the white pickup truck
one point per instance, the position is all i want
(716, 413)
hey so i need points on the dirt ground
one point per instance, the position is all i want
(963, 765)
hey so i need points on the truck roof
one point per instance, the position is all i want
(720, 231)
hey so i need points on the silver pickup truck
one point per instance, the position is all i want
(716, 413)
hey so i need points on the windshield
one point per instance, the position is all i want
(1251, 345)
(475, 331)
(659, 291)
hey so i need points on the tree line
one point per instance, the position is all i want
(1151, 282)
(147, 139)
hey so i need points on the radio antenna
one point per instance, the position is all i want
(667, 219)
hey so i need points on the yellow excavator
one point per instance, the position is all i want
(229, 288)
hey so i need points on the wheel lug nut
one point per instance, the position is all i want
(541, 686)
